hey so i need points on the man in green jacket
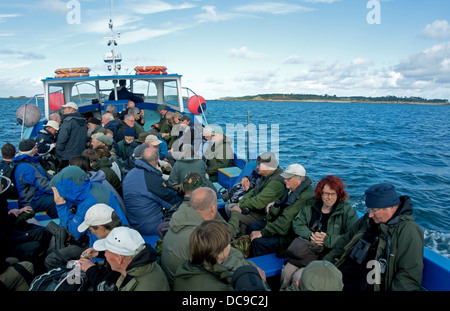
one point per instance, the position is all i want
(276, 233)
(269, 188)
(202, 206)
(127, 253)
(384, 249)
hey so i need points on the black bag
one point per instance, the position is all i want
(60, 279)
(301, 252)
(7, 180)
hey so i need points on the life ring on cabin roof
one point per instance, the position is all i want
(151, 72)
(71, 75)
(150, 68)
(73, 70)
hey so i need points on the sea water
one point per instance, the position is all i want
(363, 144)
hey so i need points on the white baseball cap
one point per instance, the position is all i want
(71, 104)
(294, 170)
(52, 124)
(122, 241)
(98, 214)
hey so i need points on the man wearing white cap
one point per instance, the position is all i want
(275, 234)
(100, 219)
(46, 143)
(72, 135)
(127, 253)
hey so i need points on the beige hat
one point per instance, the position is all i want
(52, 124)
(152, 140)
(71, 105)
(294, 170)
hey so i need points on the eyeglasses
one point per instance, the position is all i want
(373, 211)
(329, 194)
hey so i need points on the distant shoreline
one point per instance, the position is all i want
(320, 99)
(335, 99)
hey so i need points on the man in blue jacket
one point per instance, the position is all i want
(146, 194)
(74, 194)
(32, 181)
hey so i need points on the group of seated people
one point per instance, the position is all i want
(122, 185)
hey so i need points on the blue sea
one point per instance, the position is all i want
(363, 144)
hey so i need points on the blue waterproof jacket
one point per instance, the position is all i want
(31, 180)
(74, 185)
(144, 202)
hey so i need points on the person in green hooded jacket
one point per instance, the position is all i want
(276, 233)
(208, 268)
(383, 250)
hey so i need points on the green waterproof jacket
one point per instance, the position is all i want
(280, 218)
(105, 165)
(218, 155)
(342, 217)
(401, 243)
(175, 248)
(144, 274)
(268, 189)
(191, 277)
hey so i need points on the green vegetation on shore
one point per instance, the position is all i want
(333, 98)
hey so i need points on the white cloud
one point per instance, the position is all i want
(4, 17)
(439, 29)
(145, 34)
(55, 6)
(276, 8)
(154, 6)
(294, 59)
(244, 52)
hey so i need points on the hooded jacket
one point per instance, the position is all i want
(175, 250)
(182, 167)
(280, 218)
(342, 217)
(105, 165)
(191, 277)
(144, 203)
(400, 243)
(72, 136)
(31, 180)
(144, 273)
(268, 189)
(74, 185)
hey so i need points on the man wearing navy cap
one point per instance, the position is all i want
(384, 249)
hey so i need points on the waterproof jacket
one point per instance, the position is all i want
(105, 165)
(175, 250)
(31, 180)
(45, 142)
(112, 125)
(401, 243)
(100, 177)
(281, 216)
(72, 136)
(144, 202)
(182, 167)
(219, 154)
(191, 277)
(267, 189)
(74, 185)
(144, 273)
(342, 217)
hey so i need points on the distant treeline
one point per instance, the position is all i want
(326, 97)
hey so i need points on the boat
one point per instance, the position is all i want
(164, 88)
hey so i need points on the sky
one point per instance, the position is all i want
(237, 47)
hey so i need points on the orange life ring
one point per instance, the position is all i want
(72, 75)
(146, 73)
(73, 70)
(150, 68)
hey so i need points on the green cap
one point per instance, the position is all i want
(321, 275)
(192, 181)
(161, 107)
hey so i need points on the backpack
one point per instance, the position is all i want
(7, 180)
(60, 279)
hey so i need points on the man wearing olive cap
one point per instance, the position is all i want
(383, 250)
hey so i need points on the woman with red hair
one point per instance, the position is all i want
(330, 216)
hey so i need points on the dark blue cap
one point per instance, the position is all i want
(382, 196)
